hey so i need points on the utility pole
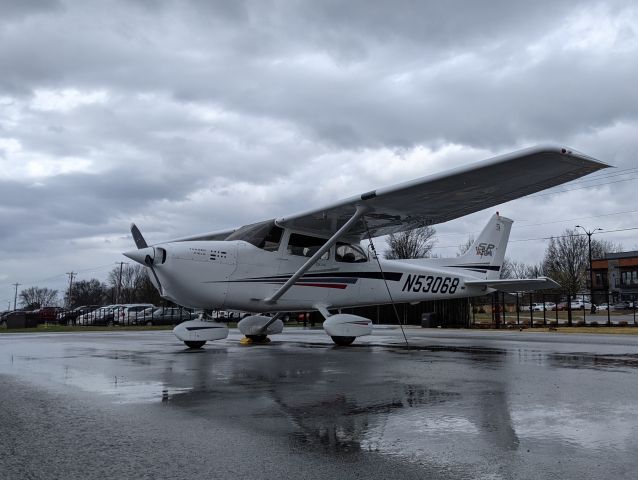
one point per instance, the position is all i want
(119, 282)
(591, 271)
(15, 297)
(70, 294)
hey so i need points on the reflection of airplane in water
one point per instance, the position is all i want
(342, 403)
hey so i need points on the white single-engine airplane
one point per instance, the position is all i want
(314, 261)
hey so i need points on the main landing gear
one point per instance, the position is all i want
(256, 328)
(343, 341)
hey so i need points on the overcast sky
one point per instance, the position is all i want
(194, 116)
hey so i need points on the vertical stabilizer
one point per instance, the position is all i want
(485, 257)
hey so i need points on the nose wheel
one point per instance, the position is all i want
(194, 343)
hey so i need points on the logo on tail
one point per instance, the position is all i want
(485, 249)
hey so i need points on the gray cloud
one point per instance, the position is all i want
(194, 116)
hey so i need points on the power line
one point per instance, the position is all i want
(70, 294)
(615, 173)
(15, 298)
(552, 236)
(579, 188)
(517, 224)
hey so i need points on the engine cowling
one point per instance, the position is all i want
(253, 325)
(347, 325)
(200, 331)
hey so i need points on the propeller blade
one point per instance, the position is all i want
(137, 237)
(149, 263)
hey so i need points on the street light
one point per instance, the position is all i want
(589, 233)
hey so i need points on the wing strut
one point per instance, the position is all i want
(318, 254)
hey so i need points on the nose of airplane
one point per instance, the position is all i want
(140, 255)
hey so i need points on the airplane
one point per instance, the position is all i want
(314, 261)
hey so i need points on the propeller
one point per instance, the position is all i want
(144, 254)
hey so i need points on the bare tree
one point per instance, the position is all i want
(566, 260)
(600, 247)
(136, 285)
(416, 243)
(35, 297)
(465, 246)
(87, 292)
(515, 269)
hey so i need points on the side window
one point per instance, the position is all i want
(271, 241)
(347, 253)
(305, 245)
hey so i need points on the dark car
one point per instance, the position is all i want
(46, 314)
(169, 316)
(68, 317)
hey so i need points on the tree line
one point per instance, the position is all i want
(130, 284)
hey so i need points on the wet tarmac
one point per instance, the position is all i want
(457, 404)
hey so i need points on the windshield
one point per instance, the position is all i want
(264, 235)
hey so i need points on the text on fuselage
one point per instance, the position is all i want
(430, 284)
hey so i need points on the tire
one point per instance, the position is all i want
(343, 341)
(195, 343)
(257, 338)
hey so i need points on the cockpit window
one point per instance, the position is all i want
(305, 245)
(264, 235)
(347, 253)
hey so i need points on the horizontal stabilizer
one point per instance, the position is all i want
(513, 285)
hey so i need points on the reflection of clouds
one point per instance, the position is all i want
(578, 426)
(122, 391)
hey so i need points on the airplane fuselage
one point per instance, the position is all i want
(237, 275)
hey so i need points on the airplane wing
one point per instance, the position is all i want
(445, 196)
(515, 284)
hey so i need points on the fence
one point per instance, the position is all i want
(102, 316)
(549, 310)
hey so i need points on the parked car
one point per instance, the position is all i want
(169, 316)
(536, 307)
(550, 306)
(603, 307)
(46, 314)
(624, 305)
(101, 316)
(580, 305)
(68, 317)
(133, 313)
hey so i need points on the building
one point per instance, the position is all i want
(616, 274)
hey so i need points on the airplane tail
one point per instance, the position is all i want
(485, 257)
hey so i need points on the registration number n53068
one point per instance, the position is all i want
(430, 284)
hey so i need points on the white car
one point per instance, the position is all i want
(580, 305)
(536, 307)
(101, 316)
(132, 313)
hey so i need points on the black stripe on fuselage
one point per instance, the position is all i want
(343, 277)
